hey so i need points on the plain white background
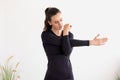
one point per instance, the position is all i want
(21, 24)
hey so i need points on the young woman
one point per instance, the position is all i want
(58, 43)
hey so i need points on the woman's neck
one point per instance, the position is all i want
(57, 32)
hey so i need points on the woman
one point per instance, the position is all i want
(58, 43)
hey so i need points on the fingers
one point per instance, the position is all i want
(99, 41)
(103, 40)
(96, 36)
(68, 25)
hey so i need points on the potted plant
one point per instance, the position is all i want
(8, 72)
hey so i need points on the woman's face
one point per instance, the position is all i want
(56, 21)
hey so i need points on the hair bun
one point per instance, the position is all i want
(47, 9)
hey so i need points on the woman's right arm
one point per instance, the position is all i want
(66, 46)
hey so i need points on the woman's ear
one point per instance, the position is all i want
(49, 23)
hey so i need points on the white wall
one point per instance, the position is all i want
(21, 24)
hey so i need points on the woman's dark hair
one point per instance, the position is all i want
(49, 12)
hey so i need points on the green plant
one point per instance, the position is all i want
(8, 72)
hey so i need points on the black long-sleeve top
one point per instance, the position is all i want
(58, 50)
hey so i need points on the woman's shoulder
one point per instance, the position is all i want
(45, 33)
(71, 35)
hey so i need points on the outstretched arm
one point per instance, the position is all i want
(98, 41)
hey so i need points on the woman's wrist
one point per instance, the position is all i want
(91, 42)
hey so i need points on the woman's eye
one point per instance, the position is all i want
(56, 22)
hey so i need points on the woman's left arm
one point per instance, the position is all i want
(76, 42)
(96, 41)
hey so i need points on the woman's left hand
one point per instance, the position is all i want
(98, 41)
(66, 29)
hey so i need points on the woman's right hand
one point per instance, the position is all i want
(66, 29)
